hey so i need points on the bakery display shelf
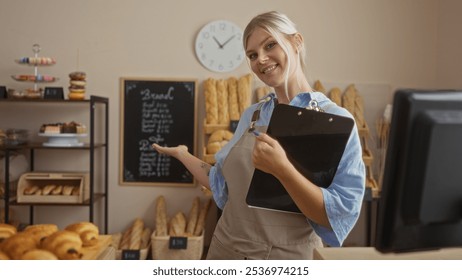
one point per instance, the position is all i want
(96, 197)
(97, 108)
(35, 78)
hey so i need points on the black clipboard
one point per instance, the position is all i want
(314, 142)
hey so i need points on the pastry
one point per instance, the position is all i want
(57, 190)
(48, 189)
(40, 231)
(31, 190)
(66, 245)
(77, 85)
(88, 232)
(211, 103)
(217, 140)
(6, 231)
(222, 102)
(161, 217)
(67, 190)
(18, 244)
(39, 254)
(3, 256)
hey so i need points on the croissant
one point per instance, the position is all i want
(18, 244)
(65, 244)
(6, 231)
(40, 231)
(39, 254)
(88, 232)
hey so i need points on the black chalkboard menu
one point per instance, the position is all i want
(162, 112)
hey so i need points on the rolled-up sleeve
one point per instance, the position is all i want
(343, 198)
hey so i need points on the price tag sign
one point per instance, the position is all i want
(130, 255)
(3, 92)
(178, 243)
(53, 93)
(233, 126)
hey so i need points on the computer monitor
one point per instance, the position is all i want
(420, 205)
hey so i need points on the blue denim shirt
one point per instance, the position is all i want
(342, 199)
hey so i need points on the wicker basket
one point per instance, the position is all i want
(161, 250)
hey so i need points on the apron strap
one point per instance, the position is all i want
(256, 113)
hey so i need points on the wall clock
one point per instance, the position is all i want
(219, 46)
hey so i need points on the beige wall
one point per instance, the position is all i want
(388, 43)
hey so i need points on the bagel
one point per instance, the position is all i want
(218, 139)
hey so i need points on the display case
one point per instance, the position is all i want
(93, 104)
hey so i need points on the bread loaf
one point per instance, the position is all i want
(125, 242)
(193, 215)
(244, 91)
(335, 95)
(201, 219)
(353, 102)
(233, 100)
(222, 101)
(135, 235)
(145, 238)
(178, 225)
(261, 92)
(211, 103)
(319, 87)
(217, 140)
(161, 217)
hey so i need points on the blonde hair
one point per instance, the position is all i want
(279, 26)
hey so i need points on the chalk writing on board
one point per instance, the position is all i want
(162, 112)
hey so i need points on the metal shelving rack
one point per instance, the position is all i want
(91, 147)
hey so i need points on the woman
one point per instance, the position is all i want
(275, 53)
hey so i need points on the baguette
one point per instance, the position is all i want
(135, 234)
(222, 102)
(211, 102)
(145, 238)
(233, 101)
(244, 91)
(178, 225)
(201, 219)
(161, 217)
(193, 215)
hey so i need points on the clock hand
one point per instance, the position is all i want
(219, 45)
(227, 41)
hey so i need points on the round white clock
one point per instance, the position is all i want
(219, 46)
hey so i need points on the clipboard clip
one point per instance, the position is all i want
(313, 105)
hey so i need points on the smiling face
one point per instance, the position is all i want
(268, 59)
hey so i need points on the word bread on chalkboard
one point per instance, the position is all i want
(162, 112)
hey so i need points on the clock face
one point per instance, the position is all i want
(219, 46)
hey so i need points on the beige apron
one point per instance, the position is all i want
(243, 232)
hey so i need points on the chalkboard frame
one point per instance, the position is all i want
(190, 83)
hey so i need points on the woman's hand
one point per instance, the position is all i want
(175, 152)
(268, 155)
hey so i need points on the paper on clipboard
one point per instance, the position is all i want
(314, 143)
